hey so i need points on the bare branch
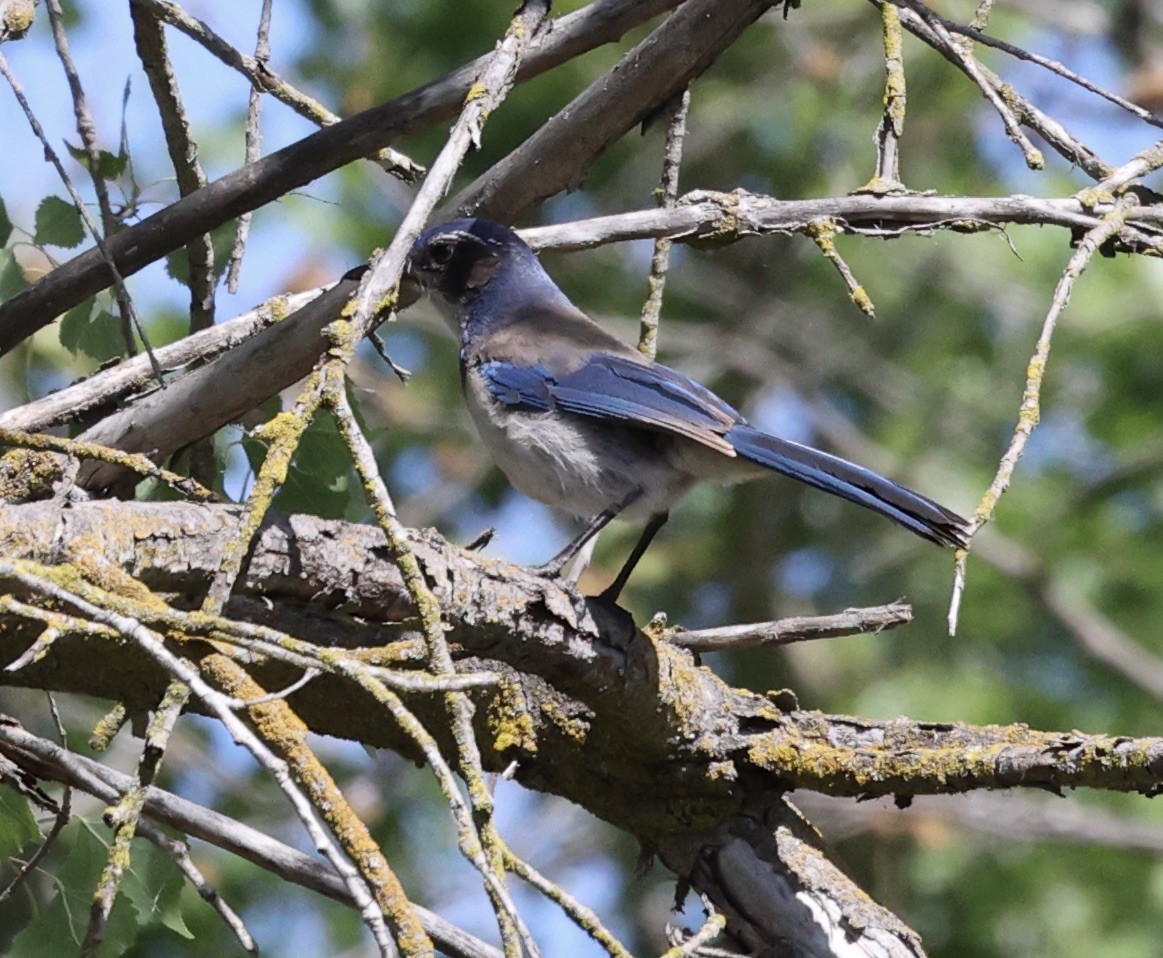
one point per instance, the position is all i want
(667, 196)
(1065, 143)
(1029, 412)
(559, 154)
(262, 56)
(110, 385)
(87, 129)
(102, 254)
(800, 628)
(263, 79)
(150, 40)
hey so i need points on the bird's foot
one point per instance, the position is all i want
(549, 570)
(615, 623)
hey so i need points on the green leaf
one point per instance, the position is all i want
(58, 223)
(74, 324)
(102, 338)
(97, 333)
(17, 826)
(60, 927)
(178, 266)
(5, 224)
(12, 279)
(109, 165)
(154, 885)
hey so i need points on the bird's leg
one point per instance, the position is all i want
(552, 568)
(614, 589)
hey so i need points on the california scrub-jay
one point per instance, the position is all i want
(582, 422)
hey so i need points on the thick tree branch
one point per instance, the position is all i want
(110, 385)
(649, 692)
(558, 155)
(627, 727)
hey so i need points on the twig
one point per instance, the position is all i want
(667, 196)
(150, 41)
(180, 853)
(801, 628)
(584, 917)
(891, 128)
(981, 15)
(262, 57)
(60, 820)
(88, 133)
(124, 816)
(35, 652)
(823, 233)
(80, 449)
(1141, 164)
(278, 696)
(107, 259)
(381, 349)
(108, 725)
(283, 432)
(724, 217)
(973, 32)
(1029, 412)
(971, 68)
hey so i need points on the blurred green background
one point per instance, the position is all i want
(926, 392)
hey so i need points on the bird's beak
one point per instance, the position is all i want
(411, 289)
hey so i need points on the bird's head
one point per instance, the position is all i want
(456, 261)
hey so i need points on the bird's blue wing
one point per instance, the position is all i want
(614, 387)
(521, 387)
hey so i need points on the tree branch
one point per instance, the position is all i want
(300, 163)
(592, 710)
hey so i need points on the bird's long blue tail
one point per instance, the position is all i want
(919, 514)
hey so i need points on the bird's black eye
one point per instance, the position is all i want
(441, 253)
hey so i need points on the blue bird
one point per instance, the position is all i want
(582, 422)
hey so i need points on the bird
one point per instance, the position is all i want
(583, 422)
